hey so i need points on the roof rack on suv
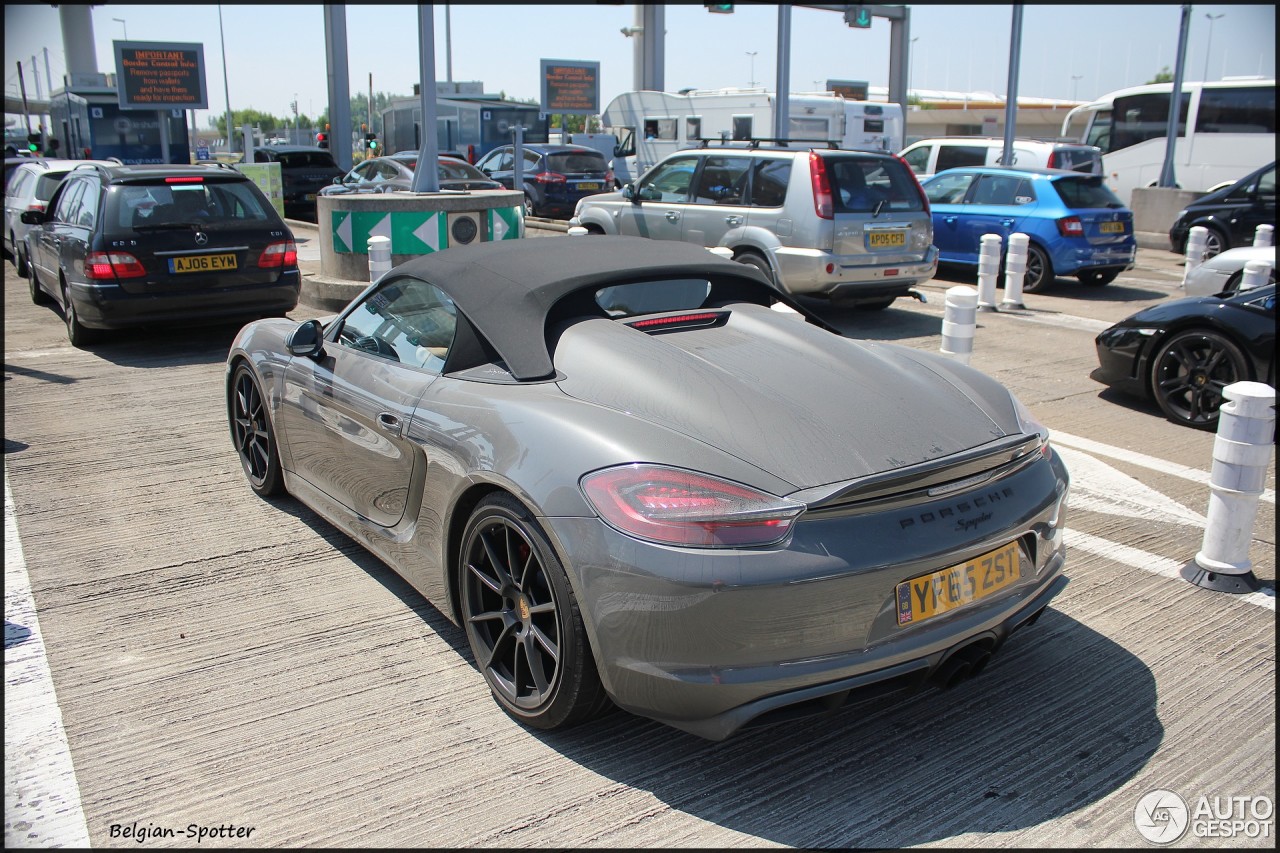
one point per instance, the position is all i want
(755, 141)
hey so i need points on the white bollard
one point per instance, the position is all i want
(1256, 274)
(1196, 238)
(1264, 235)
(577, 231)
(988, 269)
(1015, 269)
(379, 257)
(1241, 456)
(958, 323)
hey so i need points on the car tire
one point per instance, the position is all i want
(522, 619)
(38, 296)
(77, 333)
(19, 261)
(252, 434)
(1039, 274)
(1215, 242)
(1098, 278)
(529, 208)
(1189, 372)
(751, 259)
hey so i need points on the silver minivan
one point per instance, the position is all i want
(851, 226)
(927, 157)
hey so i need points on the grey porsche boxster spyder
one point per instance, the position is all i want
(640, 476)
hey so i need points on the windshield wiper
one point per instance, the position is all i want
(875, 212)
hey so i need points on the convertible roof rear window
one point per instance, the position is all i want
(652, 297)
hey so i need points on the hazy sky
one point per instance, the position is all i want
(276, 52)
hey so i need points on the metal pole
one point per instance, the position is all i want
(1168, 178)
(782, 95)
(226, 87)
(448, 46)
(426, 179)
(22, 85)
(1208, 45)
(1011, 96)
(335, 37)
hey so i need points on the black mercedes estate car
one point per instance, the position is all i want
(122, 246)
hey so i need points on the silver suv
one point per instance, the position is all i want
(851, 226)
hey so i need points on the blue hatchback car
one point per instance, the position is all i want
(1077, 227)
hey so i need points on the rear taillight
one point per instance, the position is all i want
(185, 179)
(1071, 226)
(37, 206)
(924, 199)
(1053, 160)
(550, 178)
(108, 266)
(608, 177)
(282, 254)
(822, 204)
(678, 507)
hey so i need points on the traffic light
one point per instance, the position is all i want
(322, 138)
(722, 8)
(371, 142)
(33, 142)
(858, 16)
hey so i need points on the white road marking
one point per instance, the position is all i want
(1099, 449)
(1098, 487)
(1148, 562)
(41, 797)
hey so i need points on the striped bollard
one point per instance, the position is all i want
(958, 323)
(1015, 269)
(1196, 239)
(1264, 235)
(1241, 455)
(379, 257)
(988, 269)
(1256, 274)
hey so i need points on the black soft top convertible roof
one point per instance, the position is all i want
(512, 291)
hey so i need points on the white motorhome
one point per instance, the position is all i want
(651, 125)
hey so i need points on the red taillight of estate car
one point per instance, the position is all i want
(822, 203)
(281, 254)
(109, 266)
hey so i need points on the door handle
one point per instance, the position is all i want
(950, 220)
(388, 422)
(733, 219)
(673, 216)
(1007, 223)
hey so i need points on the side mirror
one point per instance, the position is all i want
(32, 217)
(306, 340)
(629, 192)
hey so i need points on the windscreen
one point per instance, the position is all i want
(211, 205)
(868, 184)
(306, 160)
(651, 297)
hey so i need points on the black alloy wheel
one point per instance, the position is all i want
(1215, 242)
(1039, 272)
(79, 334)
(522, 619)
(251, 432)
(38, 296)
(1189, 373)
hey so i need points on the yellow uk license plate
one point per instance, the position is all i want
(952, 588)
(886, 239)
(1111, 227)
(588, 186)
(202, 263)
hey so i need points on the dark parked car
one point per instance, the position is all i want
(631, 481)
(123, 246)
(1182, 353)
(395, 172)
(1231, 215)
(304, 171)
(555, 176)
(1076, 225)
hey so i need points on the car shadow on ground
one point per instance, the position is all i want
(166, 346)
(1062, 718)
(1066, 287)
(897, 322)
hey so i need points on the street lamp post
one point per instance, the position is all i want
(123, 24)
(752, 54)
(1075, 80)
(911, 62)
(1209, 44)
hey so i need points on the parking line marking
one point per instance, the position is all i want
(1148, 562)
(1195, 475)
(42, 806)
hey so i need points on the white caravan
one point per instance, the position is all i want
(651, 125)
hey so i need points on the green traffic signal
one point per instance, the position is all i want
(724, 8)
(858, 16)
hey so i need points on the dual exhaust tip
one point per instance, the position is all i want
(967, 661)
